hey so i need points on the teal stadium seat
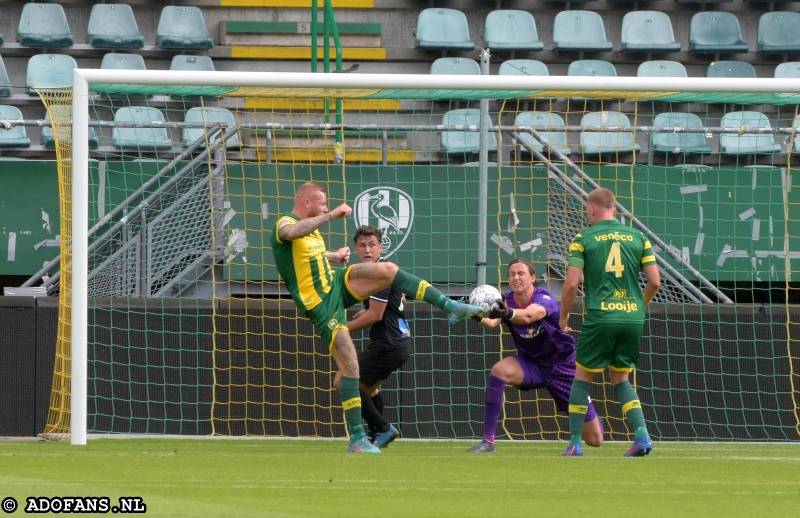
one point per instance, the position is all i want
(16, 136)
(6, 88)
(580, 31)
(457, 142)
(197, 63)
(716, 32)
(148, 139)
(49, 71)
(790, 70)
(523, 67)
(591, 67)
(183, 27)
(210, 115)
(44, 25)
(671, 142)
(510, 30)
(543, 120)
(113, 26)
(120, 61)
(443, 29)
(730, 69)
(48, 139)
(599, 142)
(746, 143)
(648, 31)
(661, 68)
(779, 33)
(456, 66)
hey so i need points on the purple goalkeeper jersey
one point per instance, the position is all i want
(543, 341)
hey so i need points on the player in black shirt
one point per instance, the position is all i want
(389, 341)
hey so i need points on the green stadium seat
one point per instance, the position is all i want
(149, 139)
(461, 142)
(648, 31)
(779, 33)
(661, 68)
(591, 67)
(183, 27)
(48, 140)
(671, 142)
(599, 142)
(6, 88)
(443, 29)
(16, 136)
(49, 71)
(198, 63)
(580, 31)
(44, 25)
(716, 32)
(544, 120)
(523, 67)
(114, 60)
(210, 115)
(113, 26)
(456, 66)
(730, 69)
(746, 143)
(511, 30)
(790, 70)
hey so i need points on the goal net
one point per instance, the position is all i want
(173, 319)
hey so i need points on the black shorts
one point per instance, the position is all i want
(379, 360)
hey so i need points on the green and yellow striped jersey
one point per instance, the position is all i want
(303, 265)
(611, 255)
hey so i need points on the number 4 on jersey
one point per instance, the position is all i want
(614, 261)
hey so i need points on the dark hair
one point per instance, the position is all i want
(366, 231)
(527, 263)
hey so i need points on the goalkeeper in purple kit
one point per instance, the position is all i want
(545, 354)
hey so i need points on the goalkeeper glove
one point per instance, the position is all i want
(499, 310)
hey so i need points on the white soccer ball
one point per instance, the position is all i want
(485, 296)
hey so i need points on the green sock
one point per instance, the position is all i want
(421, 290)
(351, 403)
(631, 407)
(578, 406)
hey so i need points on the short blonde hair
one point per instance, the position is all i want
(601, 197)
(307, 188)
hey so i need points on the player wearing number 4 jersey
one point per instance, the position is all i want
(609, 255)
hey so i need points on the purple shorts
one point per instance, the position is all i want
(556, 379)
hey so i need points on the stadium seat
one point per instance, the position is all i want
(113, 26)
(661, 68)
(730, 69)
(672, 142)
(790, 70)
(591, 67)
(49, 71)
(182, 27)
(5, 83)
(140, 138)
(118, 61)
(443, 29)
(796, 126)
(198, 63)
(511, 30)
(523, 67)
(716, 32)
(44, 25)
(210, 115)
(580, 31)
(594, 142)
(648, 31)
(779, 33)
(48, 140)
(748, 143)
(16, 136)
(460, 142)
(558, 139)
(456, 66)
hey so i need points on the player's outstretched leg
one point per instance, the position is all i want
(632, 408)
(422, 290)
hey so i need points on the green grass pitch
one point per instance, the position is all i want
(294, 478)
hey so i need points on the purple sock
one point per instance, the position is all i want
(495, 390)
(591, 413)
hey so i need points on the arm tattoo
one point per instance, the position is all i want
(303, 227)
